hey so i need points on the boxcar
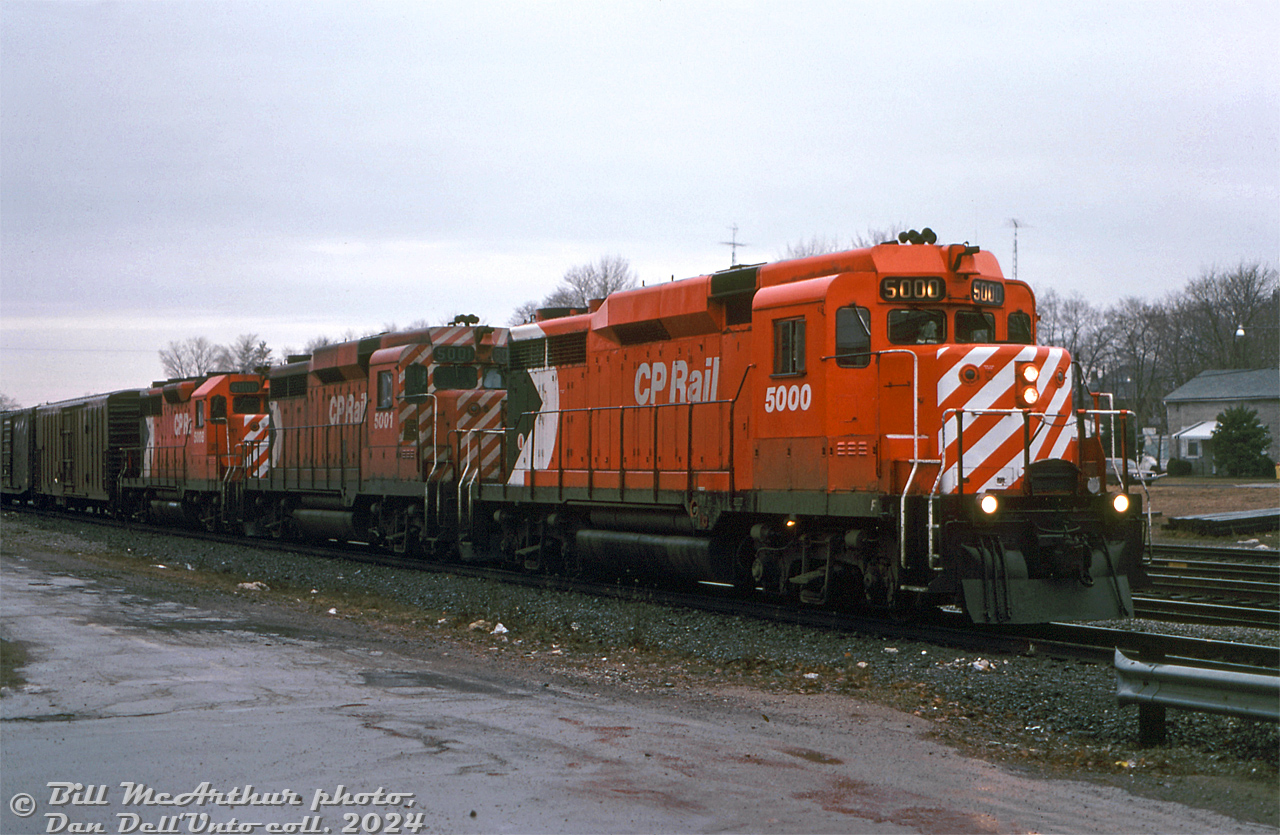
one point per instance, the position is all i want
(84, 447)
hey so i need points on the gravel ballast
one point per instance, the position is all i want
(1029, 711)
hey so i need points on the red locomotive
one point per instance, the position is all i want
(370, 438)
(867, 427)
(196, 444)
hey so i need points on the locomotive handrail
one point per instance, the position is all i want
(733, 414)
(283, 433)
(590, 411)
(1122, 475)
(1121, 469)
(935, 490)
(1026, 414)
(915, 449)
(435, 459)
(467, 476)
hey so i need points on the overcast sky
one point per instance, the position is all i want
(300, 169)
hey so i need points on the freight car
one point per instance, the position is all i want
(874, 428)
(72, 454)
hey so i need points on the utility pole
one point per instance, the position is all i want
(734, 243)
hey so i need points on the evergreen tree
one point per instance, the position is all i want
(1240, 443)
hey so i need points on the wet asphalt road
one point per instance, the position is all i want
(134, 693)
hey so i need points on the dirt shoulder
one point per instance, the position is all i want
(1171, 498)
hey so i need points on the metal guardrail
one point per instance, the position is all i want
(1156, 687)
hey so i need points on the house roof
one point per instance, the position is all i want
(1254, 384)
(1201, 431)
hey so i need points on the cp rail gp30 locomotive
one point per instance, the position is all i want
(874, 427)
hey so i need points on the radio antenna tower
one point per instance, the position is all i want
(734, 243)
(1016, 224)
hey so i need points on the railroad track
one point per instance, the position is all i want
(950, 628)
(1213, 585)
(1216, 552)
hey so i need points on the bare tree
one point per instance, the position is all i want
(822, 244)
(191, 357)
(1227, 318)
(1134, 347)
(311, 345)
(1076, 325)
(581, 285)
(875, 236)
(816, 245)
(524, 314)
(245, 354)
(585, 282)
(8, 403)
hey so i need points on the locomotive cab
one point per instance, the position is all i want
(921, 367)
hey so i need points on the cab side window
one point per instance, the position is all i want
(386, 397)
(415, 381)
(853, 337)
(788, 346)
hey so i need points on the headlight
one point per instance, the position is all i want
(988, 504)
(1025, 375)
(1120, 503)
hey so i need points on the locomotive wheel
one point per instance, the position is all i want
(279, 523)
(848, 593)
(208, 510)
(744, 580)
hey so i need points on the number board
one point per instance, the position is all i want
(987, 292)
(913, 289)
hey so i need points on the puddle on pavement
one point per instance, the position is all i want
(51, 717)
(813, 756)
(436, 681)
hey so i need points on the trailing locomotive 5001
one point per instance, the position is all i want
(867, 428)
